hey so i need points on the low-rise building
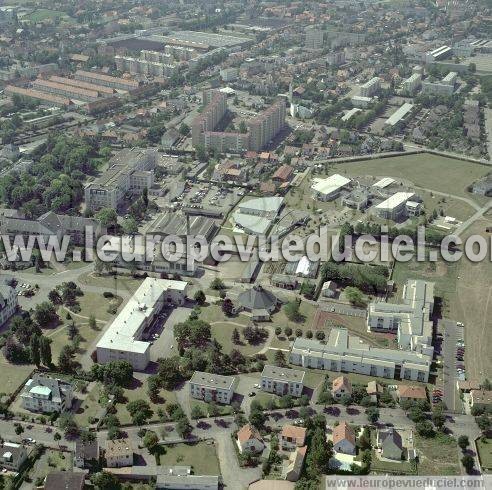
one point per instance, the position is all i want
(282, 381)
(344, 439)
(292, 469)
(341, 387)
(12, 456)
(249, 439)
(86, 453)
(483, 187)
(292, 437)
(212, 387)
(122, 340)
(481, 398)
(411, 393)
(390, 443)
(118, 453)
(394, 208)
(63, 480)
(45, 394)
(8, 303)
(330, 188)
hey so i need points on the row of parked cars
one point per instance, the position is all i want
(460, 359)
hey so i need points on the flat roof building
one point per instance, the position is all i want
(351, 113)
(371, 87)
(212, 387)
(123, 338)
(399, 115)
(106, 80)
(329, 188)
(394, 207)
(346, 353)
(282, 381)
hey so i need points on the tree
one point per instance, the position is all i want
(67, 424)
(130, 226)
(227, 307)
(196, 412)
(184, 129)
(213, 410)
(257, 418)
(463, 442)
(107, 217)
(438, 418)
(150, 441)
(200, 297)
(72, 330)
(34, 347)
(468, 463)
(355, 296)
(45, 314)
(325, 398)
(65, 359)
(278, 331)
(288, 331)
(45, 350)
(19, 429)
(217, 284)
(183, 427)
(139, 411)
(169, 372)
(286, 401)
(105, 481)
(92, 322)
(54, 297)
(372, 414)
(153, 387)
(236, 338)
(291, 310)
(425, 429)
(280, 358)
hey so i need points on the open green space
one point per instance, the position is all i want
(140, 393)
(442, 174)
(43, 14)
(13, 375)
(399, 468)
(484, 447)
(202, 457)
(223, 409)
(437, 455)
(49, 462)
(90, 407)
(222, 332)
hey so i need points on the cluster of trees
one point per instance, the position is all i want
(361, 119)
(368, 278)
(66, 294)
(55, 180)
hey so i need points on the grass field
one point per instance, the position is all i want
(473, 307)
(424, 170)
(223, 409)
(437, 455)
(42, 14)
(140, 393)
(222, 332)
(13, 375)
(383, 467)
(90, 407)
(485, 454)
(202, 457)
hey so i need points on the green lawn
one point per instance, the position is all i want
(202, 457)
(485, 453)
(424, 170)
(437, 455)
(42, 14)
(403, 468)
(141, 393)
(214, 313)
(90, 407)
(222, 332)
(224, 409)
(49, 462)
(13, 375)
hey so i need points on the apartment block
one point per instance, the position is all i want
(8, 303)
(118, 453)
(371, 87)
(212, 387)
(282, 381)
(444, 87)
(264, 127)
(12, 456)
(346, 353)
(313, 38)
(129, 172)
(412, 83)
(411, 320)
(136, 66)
(106, 80)
(123, 339)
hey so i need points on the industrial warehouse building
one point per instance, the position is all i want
(330, 188)
(123, 338)
(346, 353)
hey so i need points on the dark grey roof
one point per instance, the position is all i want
(392, 436)
(258, 298)
(64, 480)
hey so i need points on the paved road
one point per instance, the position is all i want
(448, 328)
(466, 224)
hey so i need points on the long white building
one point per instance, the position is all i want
(411, 319)
(346, 353)
(123, 338)
(212, 387)
(371, 87)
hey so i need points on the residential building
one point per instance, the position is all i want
(118, 453)
(314, 38)
(266, 125)
(341, 387)
(293, 467)
(136, 66)
(374, 390)
(86, 453)
(123, 339)
(444, 87)
(212, 387)
(229, 74)
(440, 53)
(350, 114)
(390, 443)
(125, 84)
(282, 381)
(361, 102)
(330, 188)
(371, 87)
(412, 319)
(412, 83)
(344, 439)
(129, 172)
(394, 208)
(12, 456)
(63, 480)
(329, 289)
(38, 95)
(249, 439)
(68, 91)
(177, 479)
(215, 103)
(45, 394)
(400, 115)
(481, 398)
(411, 393)
(8, 302)
(483, 187)
(80, 230)
(347, 353)
(292, 437)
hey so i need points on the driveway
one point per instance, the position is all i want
(449, 330)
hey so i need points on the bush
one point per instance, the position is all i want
(108, 294)
(320, 335)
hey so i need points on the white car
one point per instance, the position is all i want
(459, 324)
(256, 385)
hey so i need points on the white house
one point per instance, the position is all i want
(344, 439)
(45, 394)
(249, 439)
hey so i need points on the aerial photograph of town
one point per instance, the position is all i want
(245, 244)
